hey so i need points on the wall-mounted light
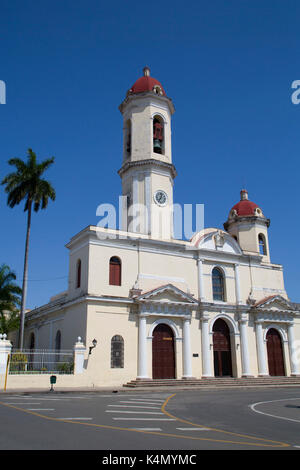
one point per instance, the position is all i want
(94, 342)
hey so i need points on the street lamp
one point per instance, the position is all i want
(94, 342)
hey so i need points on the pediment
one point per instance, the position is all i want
(275, 303)
(167, 294)
(215, 239)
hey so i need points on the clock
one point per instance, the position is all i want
(160, 197)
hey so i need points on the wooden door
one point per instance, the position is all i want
(222, 349)
(275, 353)
(163, 353)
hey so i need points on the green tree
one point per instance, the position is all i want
(26, 184)
(10, 294)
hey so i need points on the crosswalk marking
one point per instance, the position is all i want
(135, 412)
(40, 409)
(193, 429)
(144, 419)
(137, 406)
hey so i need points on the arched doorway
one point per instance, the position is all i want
(222, 349)
(163, 353)
(275, 353)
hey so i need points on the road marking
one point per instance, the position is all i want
(273, 416)
(40, 409)
(143, 419)
(138, 402)
(135, 412)
(137, 406)
(150, 429)
(25, 403)
(74, 418)
(193, 429)
(149, 399)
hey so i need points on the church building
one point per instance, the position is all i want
(161, 307)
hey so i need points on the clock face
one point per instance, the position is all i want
(160, 198)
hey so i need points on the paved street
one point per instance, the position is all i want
(265, 418)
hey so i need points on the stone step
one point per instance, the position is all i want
(215, 381)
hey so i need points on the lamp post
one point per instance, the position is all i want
(94, 342)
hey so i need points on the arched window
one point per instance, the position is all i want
(262, 244)
(117, 352)
(218, 285)
(32, 341)
(78, 274)
(158, 135)
(128, 138)
(115, 271)
(58, 341)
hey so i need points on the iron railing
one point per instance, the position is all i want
(41, 361)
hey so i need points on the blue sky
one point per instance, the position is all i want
(228, 67)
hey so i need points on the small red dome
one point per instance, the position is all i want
(245, 207)
(146, 83)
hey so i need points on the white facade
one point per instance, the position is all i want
(212, 306)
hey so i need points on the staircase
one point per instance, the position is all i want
(215, 382)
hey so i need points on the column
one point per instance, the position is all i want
(261, 353)
(5, 350)
(206, 354)
(187, 365)
(246, 372)
(200, 281)
(294, 352)
(142, 356)
(79, 352)
(237, 284)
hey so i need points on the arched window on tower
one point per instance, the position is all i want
(218, 285)
(158, 135)
(262, 244)
(78, 274)
(115, 271)
(128, 139)
(117, 352)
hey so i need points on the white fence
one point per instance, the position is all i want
(41, 361)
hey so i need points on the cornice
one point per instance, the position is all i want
(148, 162)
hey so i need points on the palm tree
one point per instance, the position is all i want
(9, 300)
(26, 184)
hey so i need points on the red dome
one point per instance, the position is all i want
(244, 208)
(146, 83)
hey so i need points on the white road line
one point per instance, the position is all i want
(23, 398)
(138, 402)
(24, 403)
(144, 419)
(273, 416)
(40, 409)
(193, 429)
(148, 399)
(152, 429)
(135, 412)
(71, 419)
(138, 406)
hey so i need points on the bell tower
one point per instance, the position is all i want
(248, 225)
(147, 171)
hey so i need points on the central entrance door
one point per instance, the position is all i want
(222, 349)
(275, 353)
(163, 353)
